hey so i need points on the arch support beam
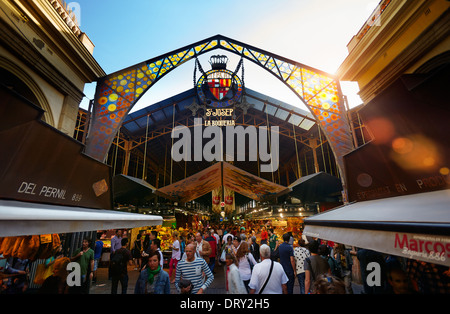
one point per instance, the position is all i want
(117, 93)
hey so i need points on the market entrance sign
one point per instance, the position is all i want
(117, 93)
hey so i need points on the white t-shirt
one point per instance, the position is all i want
(260, 273)
(176, 254)
(244, 266)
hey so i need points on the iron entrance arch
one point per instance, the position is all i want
(117, 93)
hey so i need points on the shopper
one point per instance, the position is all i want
(300, 255)
(85, 257)
(287, 260)
(119, 272)
(227, 248)
(116, 241)
(268, 277)
(273, 240)
(115, 245)
(155, 246)
(176, 255)
(315, 265)
(254, 248)
(97, 255)
(136, 252)
(213, 244)
(20, 268)
(264, 236)
(234, 283)
(327, 284)
(192, 269)
(203, 247)
(246, 263)
(236, 243)
(153, 279)
(344, 259)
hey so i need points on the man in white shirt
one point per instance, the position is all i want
(278, 279)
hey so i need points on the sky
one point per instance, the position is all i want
(311, 32)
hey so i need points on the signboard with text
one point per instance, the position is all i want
(40, 164)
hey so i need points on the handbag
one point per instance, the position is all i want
(267, 280)
(223, 255)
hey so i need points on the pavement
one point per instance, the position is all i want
(103, 284)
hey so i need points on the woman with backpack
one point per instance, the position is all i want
(345, 262)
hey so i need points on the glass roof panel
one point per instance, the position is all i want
(307, 124)
(270, 109)
(282, 114)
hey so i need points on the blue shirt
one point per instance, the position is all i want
(98, 249)
(116, 243)
(286, 251)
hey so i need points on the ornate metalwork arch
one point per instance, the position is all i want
(117, 93)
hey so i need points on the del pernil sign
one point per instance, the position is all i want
(48, 192)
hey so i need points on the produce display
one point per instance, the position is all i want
(165, 235)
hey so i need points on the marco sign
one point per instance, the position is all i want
(262, 144)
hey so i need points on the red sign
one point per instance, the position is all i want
(424, 247)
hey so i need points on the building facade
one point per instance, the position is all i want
(45, 57)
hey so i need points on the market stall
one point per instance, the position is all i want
(411, 226)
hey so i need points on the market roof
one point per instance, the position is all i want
(135, 124)
(316, 187)
(296, 128)
(222, 173)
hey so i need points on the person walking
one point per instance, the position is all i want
(287, 260)
(203, 247)
(97, 255)
(85, 257)
(264, 236)
(234, 283)
(273, 240)
(137, 251)
(153, 279)
(344, 259)
(300, 255)
(254, 248)
(192, 268)
(155, 246)
(315, 265)
(245, 262)
(119, 272)
(212, 256)
(268, 277)
(176, 255)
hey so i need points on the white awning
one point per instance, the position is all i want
(22, 218)
(414, 226)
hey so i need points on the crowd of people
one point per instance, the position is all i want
(256, 261)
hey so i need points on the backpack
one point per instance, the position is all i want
(117, 264)
(335, 267)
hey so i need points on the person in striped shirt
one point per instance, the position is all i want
(193, 268)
